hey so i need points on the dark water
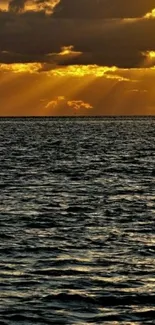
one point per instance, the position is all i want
(77, 221)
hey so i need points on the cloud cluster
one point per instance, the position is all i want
(19, 6)
(85, 9)
(105, 33)
(61, 105)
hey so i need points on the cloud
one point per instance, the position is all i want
(149, 59)
(21, 67)
(100, 54)
(16, 5)
(85, 9)
(62, 106)
(76, 72)
(103, 9)
(46, 5)
(64, 57)
(78, 105)
(33, 36)
(54, 103)
(150, 14)
(19, 6)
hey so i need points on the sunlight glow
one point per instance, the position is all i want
(3, 5)
(151, 54)
(150, 14)
(149, 59)
(34, 93)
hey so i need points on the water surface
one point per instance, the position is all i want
(77, 221)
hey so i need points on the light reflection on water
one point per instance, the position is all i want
(77, 220)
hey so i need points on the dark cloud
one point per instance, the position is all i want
(19, 6)
(32, 36)
(16, 5)
(103, 8)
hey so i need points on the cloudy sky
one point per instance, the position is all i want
(86, 57)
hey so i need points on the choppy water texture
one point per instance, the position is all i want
(77, 221)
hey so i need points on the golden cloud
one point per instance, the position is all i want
(79, 71)
(29, 5)
(62, 102)
(69, 50)
(54, 103)
(149, 60)
(21, 67)
(66, 53)
(82, 70)
(150, 14)
(151, 54)
(73, 71)
(78, 104)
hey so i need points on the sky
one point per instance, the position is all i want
(77, 57)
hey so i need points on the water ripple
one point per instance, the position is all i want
(77, 221)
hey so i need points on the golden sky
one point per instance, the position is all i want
(85, 57)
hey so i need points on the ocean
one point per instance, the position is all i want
(77, 221)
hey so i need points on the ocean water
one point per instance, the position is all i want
(77, 221)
